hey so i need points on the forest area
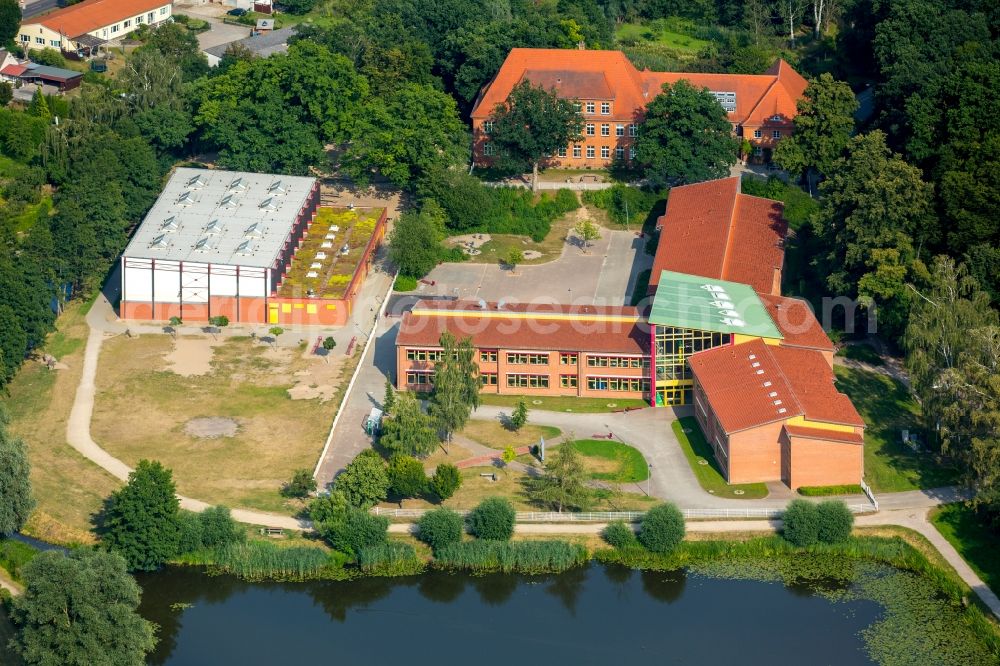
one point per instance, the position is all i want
(901, 216)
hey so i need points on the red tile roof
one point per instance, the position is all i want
(821, 433)
(797, 322)
(13, 70)
(712, 230)
(90, 15)
(526, 326)
(758, 96)
(750, 384)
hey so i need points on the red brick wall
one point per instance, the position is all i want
(817, 462)
(755, 454)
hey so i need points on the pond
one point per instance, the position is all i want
(591, 615)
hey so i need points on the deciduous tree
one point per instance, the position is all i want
(685, 138)
(10, 20)
(16, 501)
(413, 245)
(456, 384)
(364, 482)
(141, 521)
(408, 431)
(564, 484)
(520, 416)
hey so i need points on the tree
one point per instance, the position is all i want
(48, 56)
(355, 530)
(662, 528)
(80, 608)
(298, 7)
(532, 124)
(790, 12)
(388, 398)
(141, 521)
(38, 107)
(301, 485)
(685, 138)
(619, 535)
(493, 518)
(513, 258)
(588, 232)
(180, 46)
(364, 482)
(6, 90)
(509, 455)
(406, 476)
(823, 128)
(445, 481)
(800, 523)
(16, 501)
(414, 245)
(405, 135)
(875, 209)
(564, 484)
(440, 527)
(520, 416)
(13, 344)
(329, 343)
(218, 527)
(10, 20)
(275, 332)
(219, 321)
(834, 521)
(408, 431)
(456, 384)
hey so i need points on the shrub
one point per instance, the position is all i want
(389, 559)
(364, 482)
(406, 476)
(445, 481)
(325, 508)
(190, 539)
(405, 283)
(528, 557)
(834, 521)
(662, 528)
(625, 204)
(619, 534)
(356, 530)
(218, 527)
(440, 528)
(301, 485)
(14, 555)
(493, 519)
(263, 560)
(801, 523)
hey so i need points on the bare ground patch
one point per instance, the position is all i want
(211, 427)
(191, 355)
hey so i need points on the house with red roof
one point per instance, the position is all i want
(612, 94)
(80, 29)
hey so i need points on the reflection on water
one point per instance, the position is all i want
(592, 614)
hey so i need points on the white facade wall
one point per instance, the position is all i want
(188, 282)
(32, 36)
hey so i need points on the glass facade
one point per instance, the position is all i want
(672, 348)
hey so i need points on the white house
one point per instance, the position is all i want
(83, 27)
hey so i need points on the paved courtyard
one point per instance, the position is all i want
(603, 275)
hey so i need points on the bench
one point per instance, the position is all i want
(272, 531)
(490, 475)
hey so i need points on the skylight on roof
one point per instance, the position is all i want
(276, 187)
(160, 241)
(186, 199)
(169, 224)
(269, 204)
(229, 201)
(782, 410)
(214, 227)
(255, 230)
(205, 244)
(196, 182)
(245, 248)
(238, 184)
(766, 384)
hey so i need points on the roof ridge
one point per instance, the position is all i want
(729, 233)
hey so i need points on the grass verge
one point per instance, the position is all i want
(564, 403)
(972, 538)
(709, 476)
(626, 463)
(823, 491)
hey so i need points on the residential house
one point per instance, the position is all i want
(80, 29)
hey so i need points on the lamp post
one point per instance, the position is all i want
(649, 477)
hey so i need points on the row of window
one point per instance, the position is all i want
(590, 129)
(565, 358)
(590, 108)
(775, 134)
(617, 362)
(528, 359)
(633, 384)
(605, 152)
(433, 355)
(124, 25)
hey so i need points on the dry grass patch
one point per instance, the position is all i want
(492, 433)
(69, 488)
(142, 410)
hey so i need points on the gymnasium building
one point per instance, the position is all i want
(718, 336)
(255, 248)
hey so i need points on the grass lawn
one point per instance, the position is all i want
(973, 540)
(887, 407)
(662, 36)
(563, 403)
(143, 406)
(709, 476)
(499, 246)
(614, 461)
(826, 491)
(68, 488)
(495, 435)
(861, 352)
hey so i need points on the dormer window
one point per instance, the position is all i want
(776, 118)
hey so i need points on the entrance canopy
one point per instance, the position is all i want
(692, 302)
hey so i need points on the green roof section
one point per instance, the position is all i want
(689, 301)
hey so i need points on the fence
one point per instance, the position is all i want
(554, 185)
(869, 493)
(628, 516)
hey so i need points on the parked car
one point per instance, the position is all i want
(237, 12)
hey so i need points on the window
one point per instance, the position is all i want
(619, 130)
(631, 152)
(488, 149)
(488, 378)
(617, 362)
(605, 152)
(605, 108)
(488, 126)
(568, 381)
(25, 38)
(562, 152)
(40, 40)
(605, 129)
(54, 42)
(567, 358)
(127, 23)
(577, 152)
(590, 129)
(619, 153)
(633, 384)
(418, 378)
(138, 20)
(576, 107)
(590, 107)
(528, 381)
(757, 134)
(114, 28)
(633, 130)
(150, 17)
(590, 151)
(776, 118)
(163, 10)
(488, 355)
(776, 134)
(527, 359)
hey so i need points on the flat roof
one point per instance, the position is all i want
(221, 217)
(704, 304)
